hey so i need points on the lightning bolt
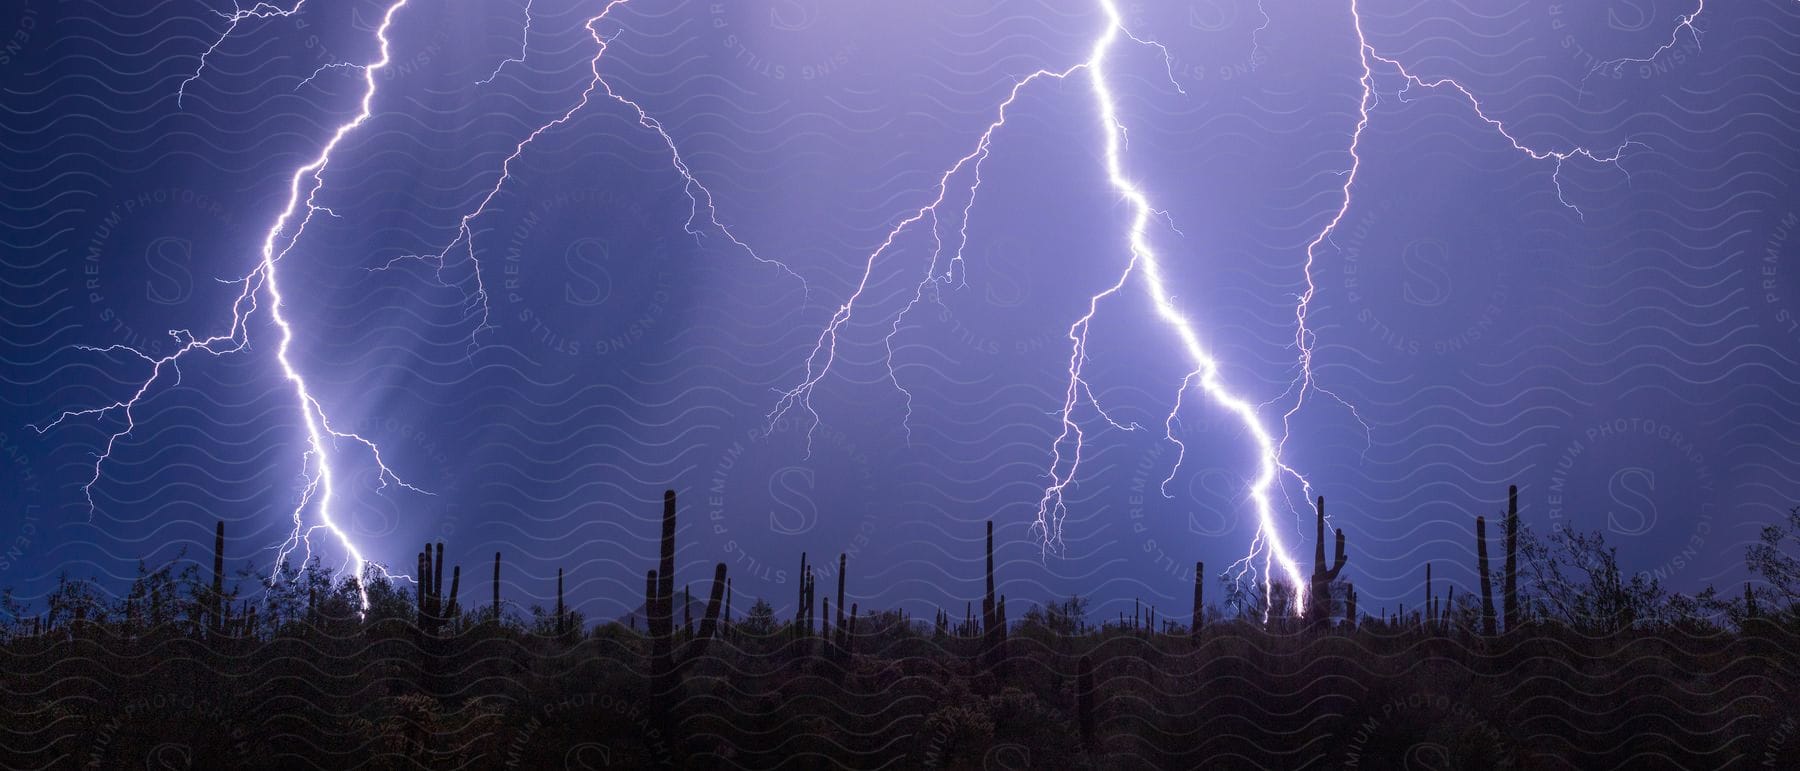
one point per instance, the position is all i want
(238, 15)
(698, 194)
(263, 282)
(1065, 451)
(824, 351)
(1681, 22)
(1368, 58)
(1205, 375)
(524, 46)
(826, 345)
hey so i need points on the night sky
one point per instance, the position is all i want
(1618, 339)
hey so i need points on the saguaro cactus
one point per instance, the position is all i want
(726, 619)
(216, 601)
(1430, 600)
(800, 601)
(665, 566)
(1323, 576)
(840, 600)
(987, 603)
(434, 607)
(562, 614)
(1510, 585)
(1199, 622)
(425, 593)
(1487, 584)
(665, 671)
(993, 611)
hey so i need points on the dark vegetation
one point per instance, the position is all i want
(1576, 665)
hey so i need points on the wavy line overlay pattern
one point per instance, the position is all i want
(1631, 366)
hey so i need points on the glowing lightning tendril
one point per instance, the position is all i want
(524, 46)
(1681, 22)
(1368, 57)
(316, 466)
(238, 15)
(826, 345)
(465, 236)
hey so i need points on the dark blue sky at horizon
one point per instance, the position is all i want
(1626, 359)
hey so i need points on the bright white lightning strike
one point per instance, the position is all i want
(283, 235)
(1270, 466)
(1064, 467)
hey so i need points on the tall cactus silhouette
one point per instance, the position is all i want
(430, 601)
(1322, 576)
(1487, 584)
(993, 611)
(1198, 627)
(812, 599)
(215, 602)
(1430, 611)
(665, 669)
(987, 602)
(562, 612)
(1510, 581)
(665, 565)
(800, 601)
(434, 607)
(842, 559)
(495, 609)
(1449, 618)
